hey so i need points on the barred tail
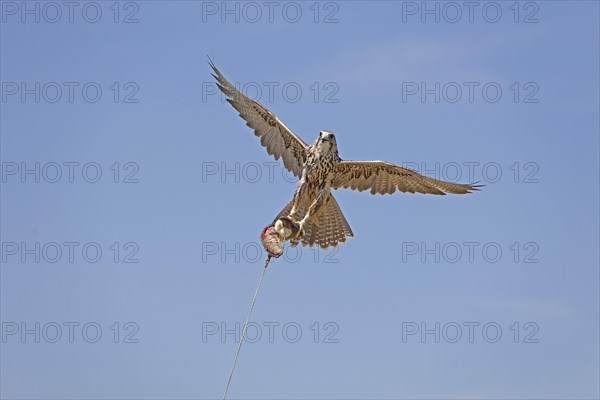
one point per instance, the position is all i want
(328, 228)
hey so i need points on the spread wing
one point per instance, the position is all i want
(383, 177)
(279, 140)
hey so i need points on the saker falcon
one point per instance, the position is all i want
(318, 166)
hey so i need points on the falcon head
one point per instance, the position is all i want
(326, 142)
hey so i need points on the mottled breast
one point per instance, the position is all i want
(321, 167)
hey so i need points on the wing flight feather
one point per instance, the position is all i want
(277, 138)
(385, 178)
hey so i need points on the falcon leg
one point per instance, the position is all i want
(316, 207)
(298, 194)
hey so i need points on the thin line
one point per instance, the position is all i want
(237, 353)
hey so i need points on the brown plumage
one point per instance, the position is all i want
(319, 169)
(326, 229)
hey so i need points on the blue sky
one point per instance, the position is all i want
(185, 189)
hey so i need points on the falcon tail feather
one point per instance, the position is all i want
(327, 229)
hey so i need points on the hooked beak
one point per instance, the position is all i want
(325, 139)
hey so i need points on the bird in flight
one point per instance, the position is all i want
(313, 212)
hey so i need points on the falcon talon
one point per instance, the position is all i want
(287, 228)
(301, 232)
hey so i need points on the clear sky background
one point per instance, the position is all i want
(194, 230)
